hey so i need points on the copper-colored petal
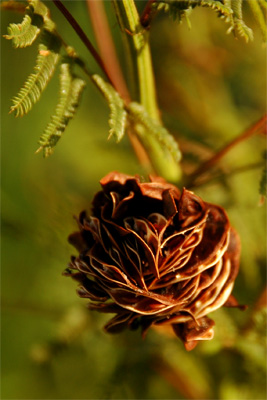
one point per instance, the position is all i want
(91, 290)
(118, 323)
(193, 331)
(77, 241)
(153, 255)
(191, 208)
(232, 302)
(142, 302)
(111, 308)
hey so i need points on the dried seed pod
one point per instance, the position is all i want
(154, 255)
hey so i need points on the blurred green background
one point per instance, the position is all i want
(211, 87)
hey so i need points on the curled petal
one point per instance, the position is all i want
(152, 255)
(193, 331)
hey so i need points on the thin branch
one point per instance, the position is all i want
(108, 54)
(106, 46)
(259, 305)
(129, 20)
(259, 126)
(181, 381)
(148, 14)
(238, 170)
(82, 36)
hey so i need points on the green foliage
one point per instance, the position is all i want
(25, 33)
(117, 119)
(258, 8)
(30, 93)
(238, 26)
(71, 88)
(229, 10)
(38, 201)
(151, 127)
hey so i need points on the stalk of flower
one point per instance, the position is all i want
(154, 255)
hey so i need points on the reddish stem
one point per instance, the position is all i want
(108, 53)
(82, 36)
(147, 14)
(259, 126)
(106, 47)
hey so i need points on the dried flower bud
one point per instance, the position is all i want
(155, 256)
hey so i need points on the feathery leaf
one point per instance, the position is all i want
(139, 116)
(24, 34)
(229, 10)
(36, 16)
(30, 93)
(117, 119)
(259, 15)
(71, 88)
(238, 26)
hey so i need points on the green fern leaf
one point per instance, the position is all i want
(223, 10)
(259, 15)
(238, 25)
(24, 34)
(71, 88)
(31, 92)
(39, 8)
(118, 115)
(177, 10)
(241, 29)
(139, 116)
(230, 10)
(36, 17)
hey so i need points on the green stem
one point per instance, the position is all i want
(129, 21)
(259, 16)
(143, 58)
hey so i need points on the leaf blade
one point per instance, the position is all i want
(139, 115)
(35, 84)
(71, 88)
(23, 34)
(118, 115)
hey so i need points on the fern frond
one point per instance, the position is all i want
(229, 10)
(71, 88)
(259, 16)
(36, 17)
(238, 25)
(177, 10)
(23, 34)
(223, 10)
(118, 115)
(139, 115)
(241, 29)
(39, 8)
(31, 92)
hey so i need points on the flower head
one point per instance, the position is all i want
(153, 255)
